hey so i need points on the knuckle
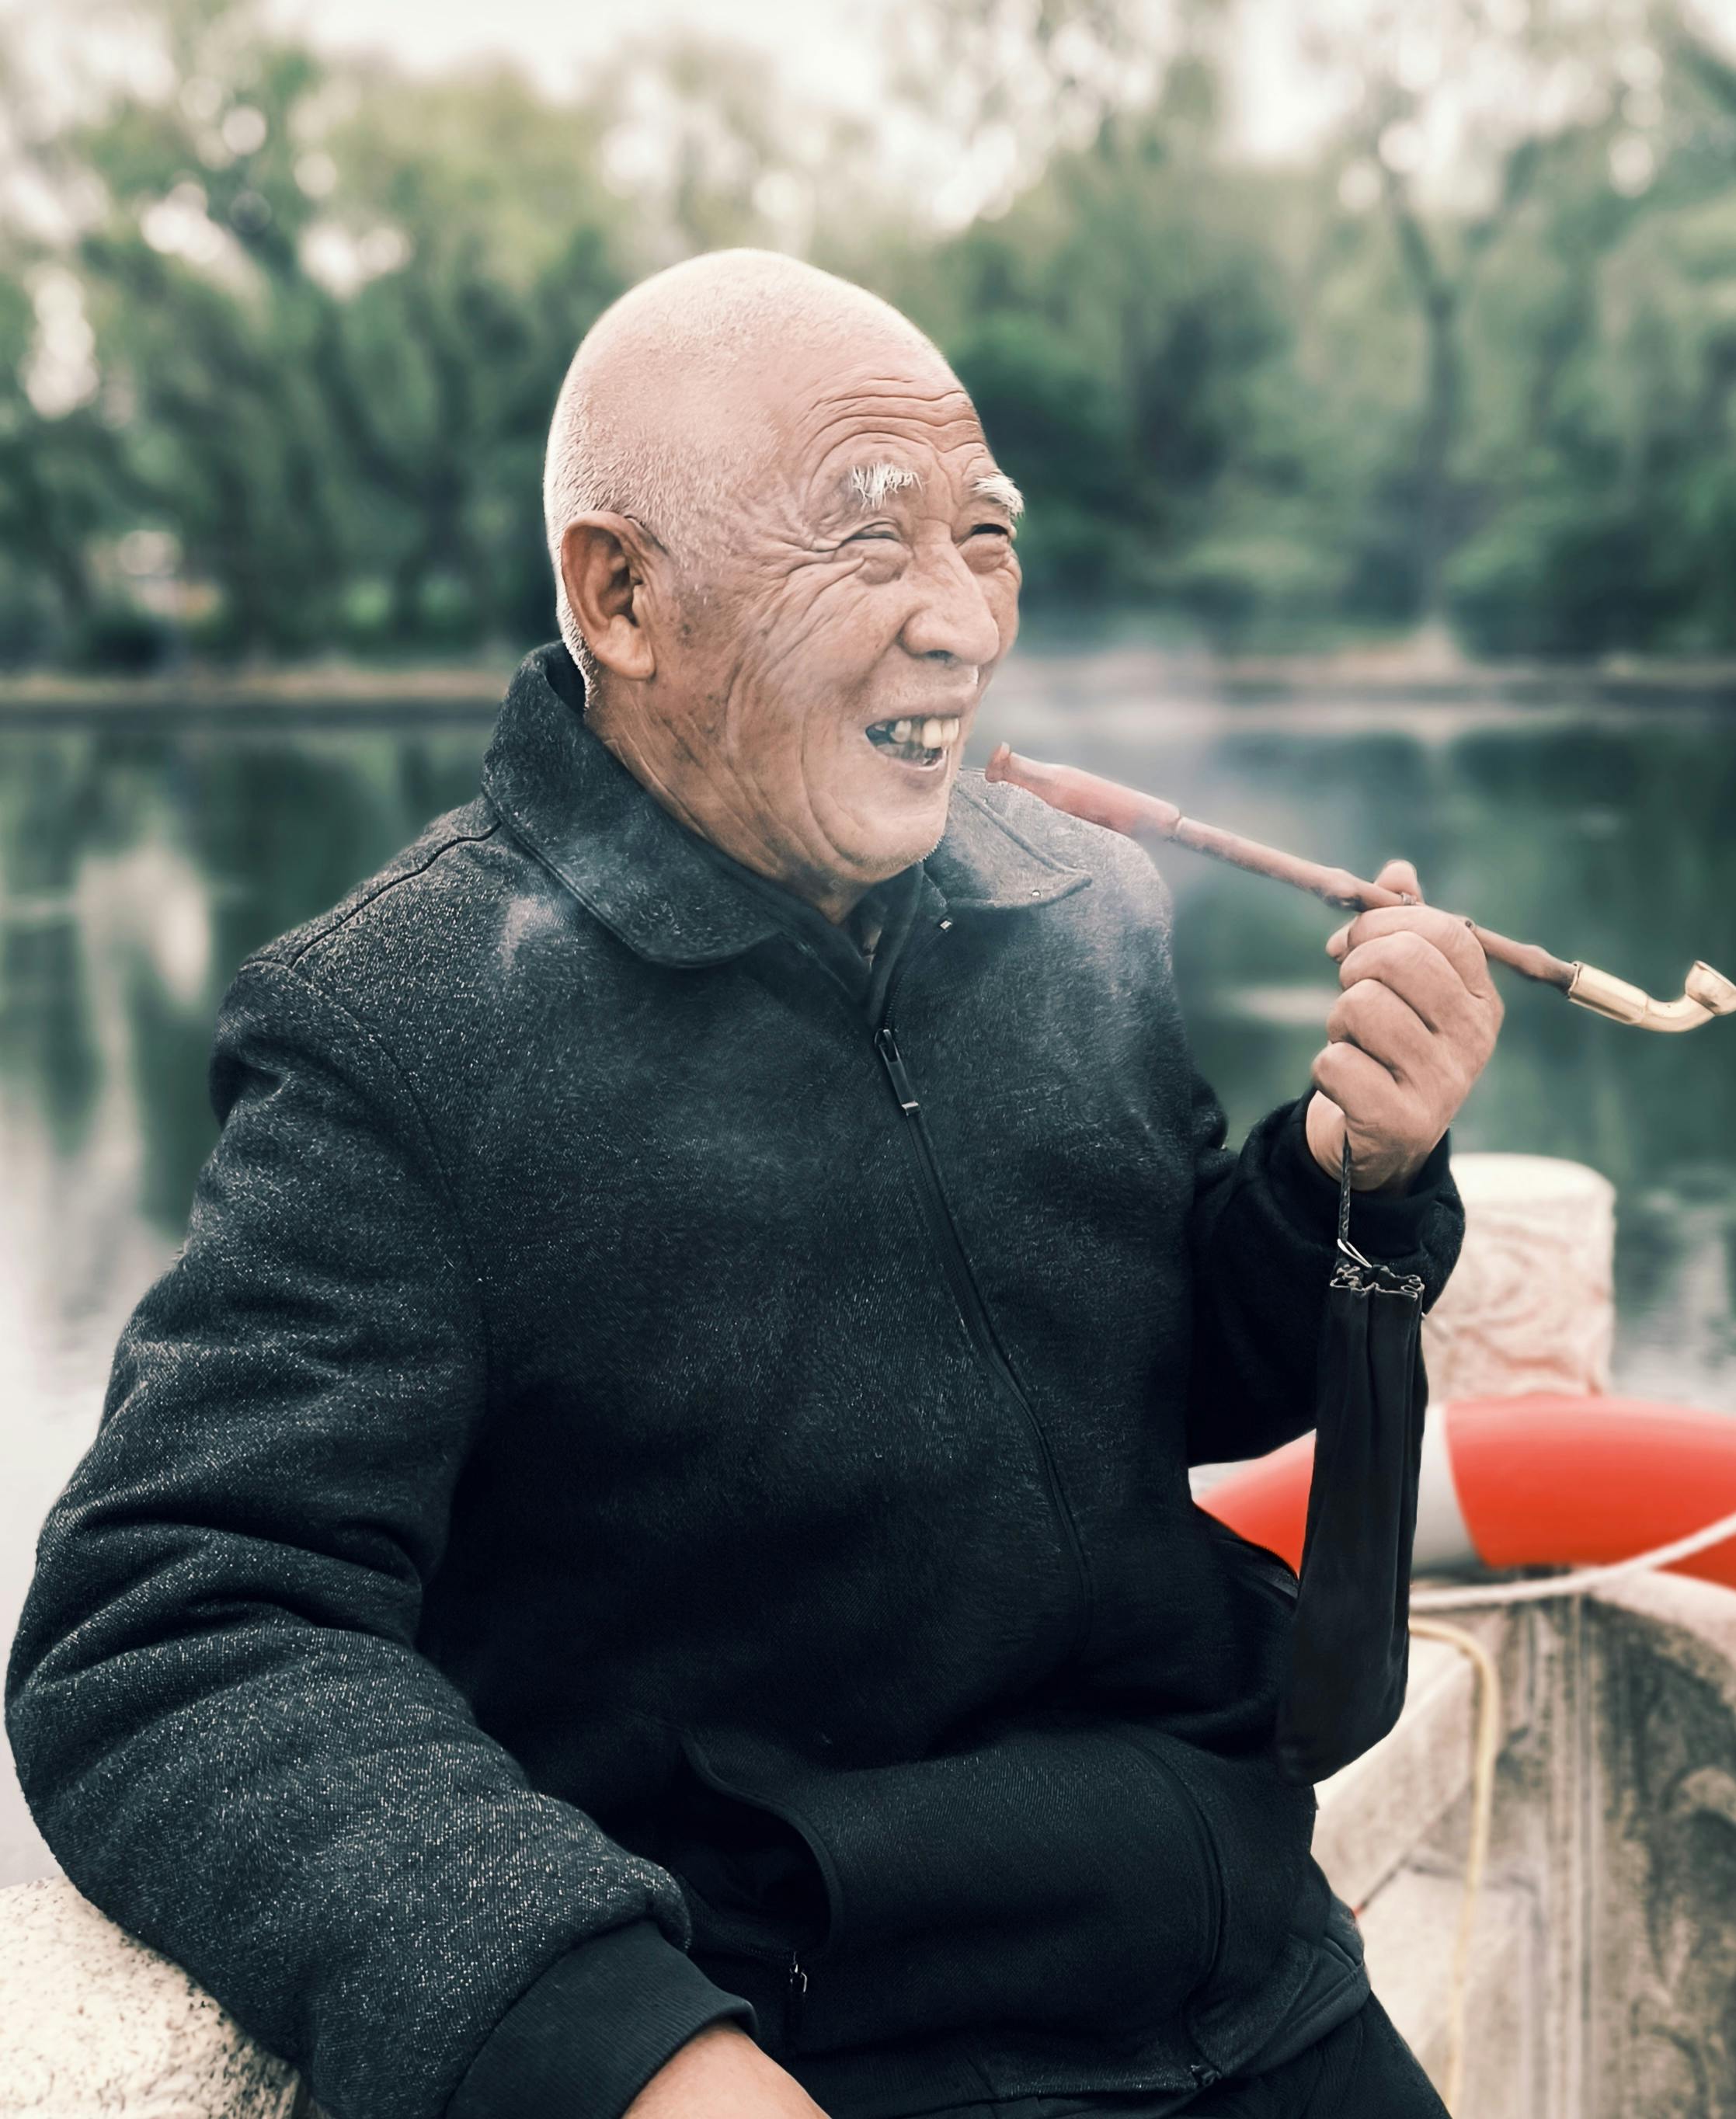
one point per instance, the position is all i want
(1395, 949)
(1446, 934)
(1418, 950)
(1330, 1064)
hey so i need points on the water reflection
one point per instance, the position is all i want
(136, 869)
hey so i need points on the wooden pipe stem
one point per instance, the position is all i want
(1147, 817)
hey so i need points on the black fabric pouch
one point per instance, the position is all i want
(1350, 1638)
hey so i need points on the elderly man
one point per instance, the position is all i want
(641, 1561)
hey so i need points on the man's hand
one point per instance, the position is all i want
(1409, 1035)
(720, 2074)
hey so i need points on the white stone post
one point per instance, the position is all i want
(1531, 1305)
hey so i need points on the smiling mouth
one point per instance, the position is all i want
(910, 741)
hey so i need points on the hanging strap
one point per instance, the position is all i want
(1353, 1270)
(1344, 1204)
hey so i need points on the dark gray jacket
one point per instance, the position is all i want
(659, 1478)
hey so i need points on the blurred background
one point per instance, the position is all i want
(1370, 371)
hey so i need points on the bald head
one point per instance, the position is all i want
(669, 408)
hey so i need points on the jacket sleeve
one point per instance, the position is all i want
(1264, 1239)
(220, 1716)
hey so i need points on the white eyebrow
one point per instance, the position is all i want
(872, 482)
(999, 488)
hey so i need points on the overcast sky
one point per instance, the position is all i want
(828, 47)
(831, 50)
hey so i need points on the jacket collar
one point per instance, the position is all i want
(653, 883)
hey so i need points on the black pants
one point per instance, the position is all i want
(1363, 2070)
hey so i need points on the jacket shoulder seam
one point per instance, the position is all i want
(336, 922)
(505, 821)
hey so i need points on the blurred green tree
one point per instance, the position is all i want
(1126, 330)
(274, 370)
(1605, 462)
(329, 314)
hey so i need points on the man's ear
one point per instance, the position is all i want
(604, 562)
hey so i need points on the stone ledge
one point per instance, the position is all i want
(1410, 1929)
(96, 2025)
(1700, 1619)
(1376, 1811)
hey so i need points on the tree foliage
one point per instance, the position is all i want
(276, 369)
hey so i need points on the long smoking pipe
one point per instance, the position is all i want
(1706, 993)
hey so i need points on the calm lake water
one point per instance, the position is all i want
(140, 861)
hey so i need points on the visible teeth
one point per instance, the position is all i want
(933, 732)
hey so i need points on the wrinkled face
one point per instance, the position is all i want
(814, 688)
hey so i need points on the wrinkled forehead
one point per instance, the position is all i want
(867, 447)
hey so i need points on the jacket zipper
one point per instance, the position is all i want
(955, 1262)
(733, 1943)
(734, 1937)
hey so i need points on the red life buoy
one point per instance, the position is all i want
(1543, 1480)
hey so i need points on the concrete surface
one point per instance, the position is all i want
(93, 2023)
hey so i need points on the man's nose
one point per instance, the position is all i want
(952, 617)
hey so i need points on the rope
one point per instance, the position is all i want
(1450, 1598)
(1486, 1753)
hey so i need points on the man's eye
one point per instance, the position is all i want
(991, 530)
(874, 530)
